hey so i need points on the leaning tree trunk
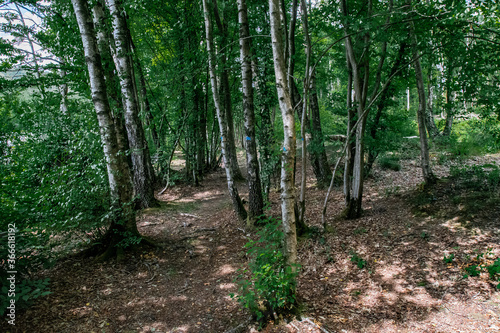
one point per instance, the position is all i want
(121, 190)
(429, 177)
(141, 159)
(226, 94)
(360, 82)
(289, 143)
(317, 151)
(255, 200)
(107, 53)
(146, 106)
(233, 191)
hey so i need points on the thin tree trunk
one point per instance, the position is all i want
(255, 200)
(146, 106)
(201, 131)
(233, 191)
(121, 190)
(107, 53)
(317, 152)
(429, 116)
(429, 177)
(319, 160)
(226, 95)
(349, 160)
(385, 95)
(141, 160)
(63, 89)
(449, 103)
(289, 143)
(301, 225)
(360, 84)
(266, 136)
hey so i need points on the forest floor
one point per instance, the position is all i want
(184, 286)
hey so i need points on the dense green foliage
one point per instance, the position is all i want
(53, 172)
(267, 286)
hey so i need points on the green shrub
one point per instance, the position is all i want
(449, 259)
(484, 177)
(25, 293)
(267, 286)
(357, 260)
(389, 162)
(471, 137)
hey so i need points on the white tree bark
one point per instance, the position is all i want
(255, 201)
(121, 189)
(141, 160)
(233, 191)
(289, 142)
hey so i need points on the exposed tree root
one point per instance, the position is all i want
(106, 248)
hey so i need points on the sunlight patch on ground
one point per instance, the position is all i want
(106, 291)
(422, 299)
(227, 286)
(81, 312)
(178, 329)
(226, 269)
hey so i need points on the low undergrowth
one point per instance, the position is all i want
(267, 286)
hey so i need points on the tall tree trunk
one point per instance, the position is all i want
(385, 96)
(255, 201)
(141, 160)
(449, 103)
(319, 160)
(349, 160)
(121, 190)
(265, 135)
(360, 85)
(201, 130)
(289, 142)
(107, 53)
(226, 94)
(233, 191)
(301, 225)
(429, 116)
(146, 106)
(429, 177)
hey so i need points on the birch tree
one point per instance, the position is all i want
(255, 200)
(225, 92)
(123, 224)
(233, 190)
(143, 171)
(289, 142)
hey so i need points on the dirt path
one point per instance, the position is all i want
(404, 285)
(184, 287)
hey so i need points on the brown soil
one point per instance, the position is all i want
(184, 286)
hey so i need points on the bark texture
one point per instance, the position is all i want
(255, 200)
(429, 177)
(289, 142)
(360, 78)
(226, 93)
(143, 171)
(120, 184)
